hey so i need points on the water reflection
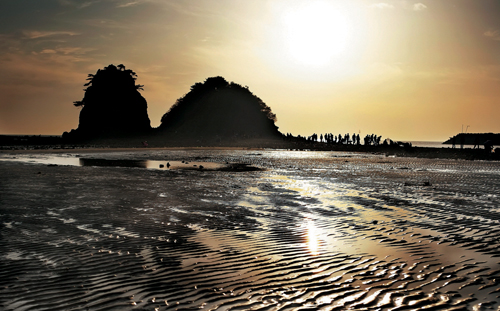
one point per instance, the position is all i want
(151, 164)
(148, 164)
(312, 238)
(118, 163)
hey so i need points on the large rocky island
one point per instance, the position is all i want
(217, 112)
(112, 107)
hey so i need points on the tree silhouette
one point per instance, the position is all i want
(217, 108)
(112, 105)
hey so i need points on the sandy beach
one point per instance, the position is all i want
(288, 230)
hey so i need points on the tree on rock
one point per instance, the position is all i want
(112, 106)
(217, 109)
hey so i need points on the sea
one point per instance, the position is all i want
(429, 144)
(435, 144)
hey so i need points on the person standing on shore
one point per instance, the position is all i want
(488, 146)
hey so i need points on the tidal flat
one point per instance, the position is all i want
(249, 230)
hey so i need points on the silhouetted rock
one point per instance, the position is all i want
(112, 106)
(218, 111)
(473, 139)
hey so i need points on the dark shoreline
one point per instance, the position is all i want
(394, 151)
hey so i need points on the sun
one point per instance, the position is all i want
(316, 33)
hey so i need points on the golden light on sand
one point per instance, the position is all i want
(315, 33)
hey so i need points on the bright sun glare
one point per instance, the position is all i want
(316, 33)
(312, 239)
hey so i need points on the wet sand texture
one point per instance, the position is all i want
(314, 230)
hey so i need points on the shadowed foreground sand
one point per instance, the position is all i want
(313, 230)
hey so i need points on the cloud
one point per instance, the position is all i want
(190, 8)
(48, 51)
(493, 34)
(385, 71)
(67, 50)
(419, 7)
(125, 5)
(106, 23)
(38, 70)
(41, 34)
(77, 4)
(66, 2)
(85, 4)
(381, 6)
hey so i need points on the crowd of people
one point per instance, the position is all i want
(346, 139)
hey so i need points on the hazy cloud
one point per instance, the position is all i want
(189, 8)
(128, 4)
(106, 23)
(32, 69)
(385, 71)
(66, 2)
(77, 4)
(493, 34)
(381, 5)
(41, 34)
(131, 3)
(67, 50)
(85, 4)
(48, 51)
(419, 7)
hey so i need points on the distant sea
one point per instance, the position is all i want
(435, 144)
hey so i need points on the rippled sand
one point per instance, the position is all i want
(314, 230)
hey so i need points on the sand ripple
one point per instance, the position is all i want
(321, 231)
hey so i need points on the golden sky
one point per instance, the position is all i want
(407, 70)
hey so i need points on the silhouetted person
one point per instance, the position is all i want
(476, 141)
(488, 146)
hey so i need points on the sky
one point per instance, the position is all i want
(405, 70)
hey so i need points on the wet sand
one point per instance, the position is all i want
(311, 230)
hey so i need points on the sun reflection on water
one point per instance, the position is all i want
(312, 238)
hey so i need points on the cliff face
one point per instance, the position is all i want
(218, 110)
(112, 106)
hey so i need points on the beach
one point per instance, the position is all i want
(241, 229)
